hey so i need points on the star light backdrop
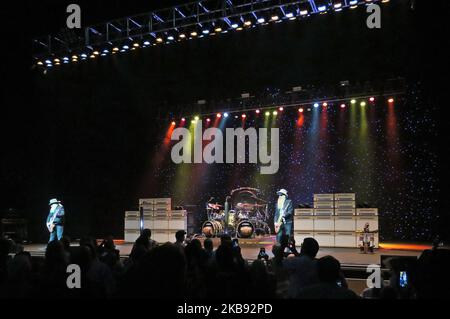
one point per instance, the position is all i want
(375, 150)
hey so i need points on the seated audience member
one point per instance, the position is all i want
(302, 268)
(180, 237)
(331, 283)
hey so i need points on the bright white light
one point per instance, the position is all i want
(322, 8)
(170, 38)
(205, 31)
(337, 5)
(289, 15)
(147, 43)
(234, 25)
(303, 12)
(261, 20)
(353, 2)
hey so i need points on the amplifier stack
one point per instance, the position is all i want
(334, 221)
(158, 216)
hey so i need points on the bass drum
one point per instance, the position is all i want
(245, 229)
(212, 228)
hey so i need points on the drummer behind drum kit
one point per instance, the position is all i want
(247, 216)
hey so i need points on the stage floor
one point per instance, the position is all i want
(250, 249)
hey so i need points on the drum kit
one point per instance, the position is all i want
(247, 215)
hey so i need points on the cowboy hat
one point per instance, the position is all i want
(282, 192)
(53, 201)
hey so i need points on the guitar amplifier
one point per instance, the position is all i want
(367, 211)
(303, 212)
(323, 223)
(299, 236)
(304, 223)
(344, 204)
(131, 235)
(324, 204)
(160, 235)
(133, 213)
(345, 239)
(177, 220)
(345, 223)
(325, 239)
(146, 202)
(132, 222)
(323, 212)
(346, 197)
(161, 221)
(323, 197)
(345, 212)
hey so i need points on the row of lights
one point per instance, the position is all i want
(281, 109)
(168, 38)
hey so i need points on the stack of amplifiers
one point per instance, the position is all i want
(132, 226)
(334, 221)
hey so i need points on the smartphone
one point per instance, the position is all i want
(235, 243)
(403, 279)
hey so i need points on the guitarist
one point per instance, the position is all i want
(55, 220)
(283, 215)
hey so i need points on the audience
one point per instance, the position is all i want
(190, 271)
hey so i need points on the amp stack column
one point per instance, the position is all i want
(324, 219)
(177, 221)
(132, 227)
(303, 224)
(161, 211)
(146, 213)
(345, 220)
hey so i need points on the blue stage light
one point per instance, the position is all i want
(322, 8)
(316, 104)
(225, 114)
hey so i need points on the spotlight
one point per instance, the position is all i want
(208, 120)
(182, 35)
(173, 123)
(218, 115)
(274, 17)
(170, 38)
(289, 15)
(274, 112)
(372, 99)
(196, 118)
(57, 60)
(261, 20)
(236, 116)
(353, 101)
(391, 100)
(322, 8)
(125, 47)
(136, 45)
(281, 109)
(301, 110)
(267, 113)
(206, 31)
(225, 114)
(83, 55)
(342, 105)
(244, 116)
(193, 34)
(40, 63)
(363, 103)
(146, 43)
(159, 40)
(316, 104)
(48, 62)
(324, 104)
(74, 57)
(115, 49)
(92, 56)
(353, 2)
(218, 29)
(303, 12)
(96, 53)
(257, 111)
(183, 119)
(192, 121)
(235, 25)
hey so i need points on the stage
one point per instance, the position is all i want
(349, 257)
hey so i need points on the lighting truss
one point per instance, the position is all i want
(186, 21)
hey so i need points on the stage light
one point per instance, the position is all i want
(206, 31)
(301, 110)
(208, 120)
(218, 29)
(115, 49)
(147, 42)
(363, 103)
(218, 115)
(105, 51)
(353, 2)
(371, 99)
(170, 38)
(48, 61)
(65, 58)
(182, 35)
(56, 60)
(247, 23)
(74, 57)
(183, 119)
(267, 113)
(289, 15)
(92, 56)
(236, 116)
(274, 112)
(391, 100)
(353, 101)
(316, 104)
(243, 116)
(257, 111)
(173, 123)
(83, 55)
(342, 105)
(193, 121)
(196, 118)
(159, 40)
(337, 5)
(125, 47)
(40, 63)
(235, 25)
(384, 1)
(136, 45)
(322, 8)
(324, 104)
(274, 18)
(193, 34)
(303, 12)
(225, 114)
(261, 20)
(281, 109)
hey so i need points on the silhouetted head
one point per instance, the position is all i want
(180, 236)
(147, 233)
(328, 269)
(310, 247)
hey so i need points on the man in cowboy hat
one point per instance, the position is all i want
(55, 219)
(283, 215)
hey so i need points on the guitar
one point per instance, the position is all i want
(278, 225)
(50, 225)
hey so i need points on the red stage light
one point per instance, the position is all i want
(219, 115)
(208, 120)
(244, 116)
(342, 105)
(324, 104)
(371, 99)
(300, 110)
(281, 109)
(391, 100)
(183, 119)
(257, 111)
(173, 123)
